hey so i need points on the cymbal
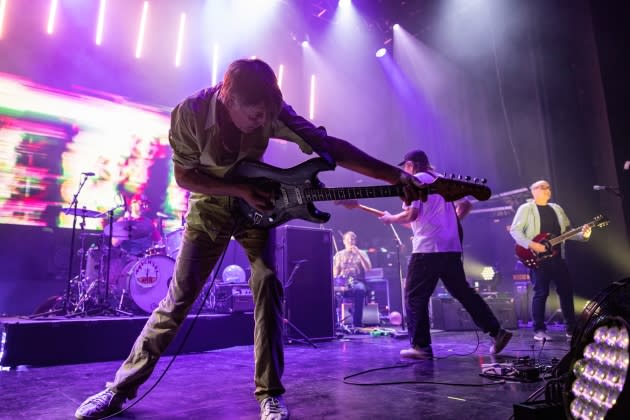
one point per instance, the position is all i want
(84, 212)
(130, 229)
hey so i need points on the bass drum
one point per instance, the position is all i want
(174, 242)
(146, 281)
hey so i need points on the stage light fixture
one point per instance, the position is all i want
(381, 52)
(345, 3)
(304, 43)
(597, 377)
(396, 27)
(488, 273)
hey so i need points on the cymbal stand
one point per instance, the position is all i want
(73, 206)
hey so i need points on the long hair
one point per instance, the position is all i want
(251, 81)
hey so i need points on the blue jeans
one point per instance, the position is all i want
(424, 272)
(552, 269)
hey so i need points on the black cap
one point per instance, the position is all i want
(416, 156)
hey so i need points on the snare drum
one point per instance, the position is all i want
(147, 279)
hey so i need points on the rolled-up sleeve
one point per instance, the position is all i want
(182, 137)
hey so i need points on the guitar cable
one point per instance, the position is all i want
(186, 335)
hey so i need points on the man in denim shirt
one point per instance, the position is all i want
(211, 132)
(536, 216)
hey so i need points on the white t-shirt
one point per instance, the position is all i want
(435, 228)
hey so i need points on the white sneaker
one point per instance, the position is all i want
(542, 336)
(273, 408)
(100, 405)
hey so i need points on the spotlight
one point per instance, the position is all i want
(597, 376)
(304, 43)
(381, 52)
(396, 27)
(487, 273)
(344, 3)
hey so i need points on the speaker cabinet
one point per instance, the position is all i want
(303, 262)
(378, 289)
(448, 314)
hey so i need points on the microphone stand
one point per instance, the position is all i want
(73, 206)
(401, 278)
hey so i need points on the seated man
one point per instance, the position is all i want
(349, 267)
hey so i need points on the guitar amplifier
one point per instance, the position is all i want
(448, 314)
(230, 298)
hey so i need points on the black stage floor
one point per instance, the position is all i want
(218, 384)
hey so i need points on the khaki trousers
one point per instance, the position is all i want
(202, 245)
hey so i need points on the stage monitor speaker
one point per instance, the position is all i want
(303, 261)
(448, 314)
(378, 289)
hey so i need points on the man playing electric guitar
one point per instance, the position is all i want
(532, 218)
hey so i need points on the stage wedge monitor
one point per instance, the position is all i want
(303, 261)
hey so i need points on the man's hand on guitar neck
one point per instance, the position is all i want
(413, 189)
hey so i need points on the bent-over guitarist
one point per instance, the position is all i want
(540, 216)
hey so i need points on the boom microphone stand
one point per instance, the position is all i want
(401, 278)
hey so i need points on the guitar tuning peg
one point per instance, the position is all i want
(468, 178)
(476, 180)
(460, 176)
(484, 180)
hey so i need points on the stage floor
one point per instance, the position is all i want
(218, 384)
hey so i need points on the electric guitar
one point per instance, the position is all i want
(532, 260)
(296, 189)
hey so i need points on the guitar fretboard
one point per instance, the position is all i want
(331, 194)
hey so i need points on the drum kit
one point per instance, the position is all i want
(111, 277)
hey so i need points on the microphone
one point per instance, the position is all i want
(88, 173)
(604, 187)
(299, 262)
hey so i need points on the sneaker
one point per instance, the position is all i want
(415, 352)
(273, 408)
(500, 340)
(542, 336)
(101, 405)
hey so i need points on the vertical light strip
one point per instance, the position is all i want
(280, 75)
(215, 63)
(311, 107)
(180, 39)
(3, 8)
(143, 23)
(52, 12)
(100, 22)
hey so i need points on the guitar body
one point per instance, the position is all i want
(532, 260)
(288, 185)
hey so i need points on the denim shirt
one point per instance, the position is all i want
(526, 223)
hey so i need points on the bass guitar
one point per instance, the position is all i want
(296, 189)
(532, 260)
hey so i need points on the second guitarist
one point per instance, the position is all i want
(536, 216)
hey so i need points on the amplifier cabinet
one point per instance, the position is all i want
(448, 314)
(231, 298)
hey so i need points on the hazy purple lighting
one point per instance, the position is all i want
(381, 52)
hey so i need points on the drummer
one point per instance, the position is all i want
(135, 232)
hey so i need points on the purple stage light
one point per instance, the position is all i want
(381, 52)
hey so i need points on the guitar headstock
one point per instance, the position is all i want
(600, 221)
(453, 187)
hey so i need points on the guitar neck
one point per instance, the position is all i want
(567, 235)
(352, 193)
